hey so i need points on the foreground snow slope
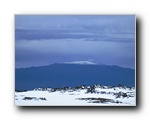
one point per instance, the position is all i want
(96, 95)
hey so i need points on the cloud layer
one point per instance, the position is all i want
(42, 40)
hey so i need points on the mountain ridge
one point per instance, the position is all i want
(67, 75)
(99, 64)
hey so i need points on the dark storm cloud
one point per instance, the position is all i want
(36, 27)
(108, 23)
(42, 40)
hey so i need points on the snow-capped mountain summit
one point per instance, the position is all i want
(81, 62)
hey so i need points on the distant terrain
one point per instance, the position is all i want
(70, 75)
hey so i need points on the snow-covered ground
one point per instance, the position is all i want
(96, 95)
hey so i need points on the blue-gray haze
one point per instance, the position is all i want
(47, 39)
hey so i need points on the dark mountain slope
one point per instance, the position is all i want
(61, 75)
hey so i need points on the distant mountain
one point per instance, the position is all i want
(62, 75)
(81, 62)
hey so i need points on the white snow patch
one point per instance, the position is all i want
(73, 97)
(81, 62)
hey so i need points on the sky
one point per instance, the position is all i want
(102, 39)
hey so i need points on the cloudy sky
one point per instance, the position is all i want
(47, 39)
